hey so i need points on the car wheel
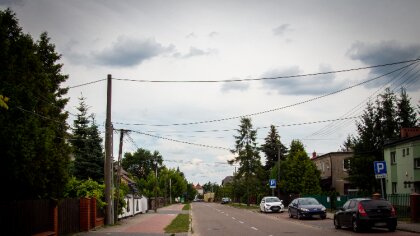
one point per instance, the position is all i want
(337, 223)
(392, 228)
(299, 216)
(356, 226)
(323, 217)
(290, 214)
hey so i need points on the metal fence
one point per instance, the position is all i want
(401, 202)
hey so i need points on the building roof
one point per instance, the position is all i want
(332, 154)
(401, 141)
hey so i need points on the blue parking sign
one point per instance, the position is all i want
(379, 167)
(273, 183)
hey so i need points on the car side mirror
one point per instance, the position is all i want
(262, 201)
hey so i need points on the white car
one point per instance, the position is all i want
(271, 204)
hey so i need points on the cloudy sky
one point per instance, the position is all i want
(192, 124)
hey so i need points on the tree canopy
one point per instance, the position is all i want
(34, 130)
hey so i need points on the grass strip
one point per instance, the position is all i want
(179, 224)
(187, 207)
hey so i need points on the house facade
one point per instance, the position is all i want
(334, 171)
(402, 159)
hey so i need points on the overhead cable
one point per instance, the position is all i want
(279, 108)
(266, 78)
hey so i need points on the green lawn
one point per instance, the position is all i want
(187, 207)
(179, 224)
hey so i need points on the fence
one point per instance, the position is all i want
(26, 217)
(401, 202)
(36, 216)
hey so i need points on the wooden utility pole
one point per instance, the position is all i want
(108, 155)
(117, 183)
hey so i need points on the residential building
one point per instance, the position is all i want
(199, 188)
(334, 167)
(402, 159)
(227, 180)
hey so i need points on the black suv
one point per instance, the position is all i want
(360, 213)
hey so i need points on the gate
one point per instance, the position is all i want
(68, 216)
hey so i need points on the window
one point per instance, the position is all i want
(404, 152)
(417, 163)
(346, 205)
(352, 204)
(394, 187)
(346, 164)
(408, 151)
(393, 162)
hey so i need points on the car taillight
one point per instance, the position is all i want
(393, 213)
(362, 211)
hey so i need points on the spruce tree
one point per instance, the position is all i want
(248, 156)
(406, 113)
(272, 148)
(87, 146)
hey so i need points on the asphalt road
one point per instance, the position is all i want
(210, 219)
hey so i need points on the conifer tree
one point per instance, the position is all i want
(87, 146)
(248, 156)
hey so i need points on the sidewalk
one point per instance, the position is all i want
(151, 223)
(402, 225)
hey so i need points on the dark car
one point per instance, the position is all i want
(306, 207)
(360, 213)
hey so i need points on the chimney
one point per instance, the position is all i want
(313, 155)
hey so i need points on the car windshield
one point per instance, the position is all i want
(272, 199)
(308, 201)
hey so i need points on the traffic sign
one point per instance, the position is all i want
(380, 169)
(273, 183)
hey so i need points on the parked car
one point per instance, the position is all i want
(225, 200)
(306, 207)
(362, 213)
(271, 204)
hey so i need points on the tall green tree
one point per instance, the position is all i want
(299, 174)
(379, 123)
(273, 148)
(407, 116)
(87, 146)
(248, 156)
(141, 162)
(33, 130)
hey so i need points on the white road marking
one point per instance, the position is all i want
(254, 228)
(233, 218)
(241, 222)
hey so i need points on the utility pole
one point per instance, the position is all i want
(170, 190)
(156, 185)
(278, 172)
(117, 183)
(108, 155)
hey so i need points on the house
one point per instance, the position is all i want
(402, 159)
(199, 189)
(227, 180)
(334, 167)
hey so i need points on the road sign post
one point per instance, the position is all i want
(273, 185)
(380, 173)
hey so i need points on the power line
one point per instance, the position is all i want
(179, 141)
(275, 109)
(88, 83)
(330, 128)
(267, 78)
